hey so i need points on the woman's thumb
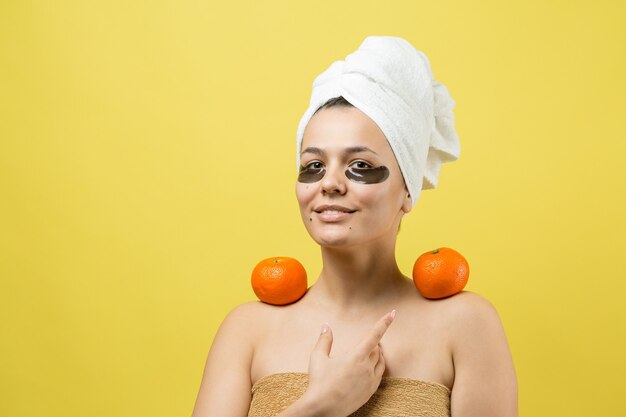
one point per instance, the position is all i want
(325, 340)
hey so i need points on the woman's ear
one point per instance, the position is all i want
(407, 203)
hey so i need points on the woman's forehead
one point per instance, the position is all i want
(341, 128)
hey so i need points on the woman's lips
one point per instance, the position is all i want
(332, 216)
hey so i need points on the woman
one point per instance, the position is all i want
(376, 132)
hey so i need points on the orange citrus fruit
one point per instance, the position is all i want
(440, 273)
(279, 280)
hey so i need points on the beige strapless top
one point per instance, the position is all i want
(395, 397)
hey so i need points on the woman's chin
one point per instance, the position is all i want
(334, 240)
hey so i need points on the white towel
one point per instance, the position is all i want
(391, 82)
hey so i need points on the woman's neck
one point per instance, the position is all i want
(356, 280)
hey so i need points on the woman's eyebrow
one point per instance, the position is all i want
(350, 150)
(357, 149)
(316, 151)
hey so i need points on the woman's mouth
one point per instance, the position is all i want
(332, 214)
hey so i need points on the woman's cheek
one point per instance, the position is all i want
(304, 194)
(371, 193)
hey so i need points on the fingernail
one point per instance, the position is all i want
(393, 313)
(324, 328)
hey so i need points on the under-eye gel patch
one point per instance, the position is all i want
(309, 174)
(367, 175)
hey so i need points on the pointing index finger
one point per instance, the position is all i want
(377, 333)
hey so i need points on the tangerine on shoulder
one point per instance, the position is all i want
(440, 273)
(279, 280)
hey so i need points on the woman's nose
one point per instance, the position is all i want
(334, 181)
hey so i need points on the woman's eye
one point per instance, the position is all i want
(312, 172)
(362, 165)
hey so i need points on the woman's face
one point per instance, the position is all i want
(350, 188)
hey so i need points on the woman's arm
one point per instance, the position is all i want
(225, 387)
(485, 384)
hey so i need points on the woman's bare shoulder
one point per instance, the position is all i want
(249, 318)
(461, 313)
(469, 306)
(471, 319)
(248, 313)
(457, 308)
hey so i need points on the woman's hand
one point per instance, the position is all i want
(344, 383)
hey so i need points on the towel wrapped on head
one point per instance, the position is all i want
(392, 83)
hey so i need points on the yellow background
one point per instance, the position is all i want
(147, 163)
